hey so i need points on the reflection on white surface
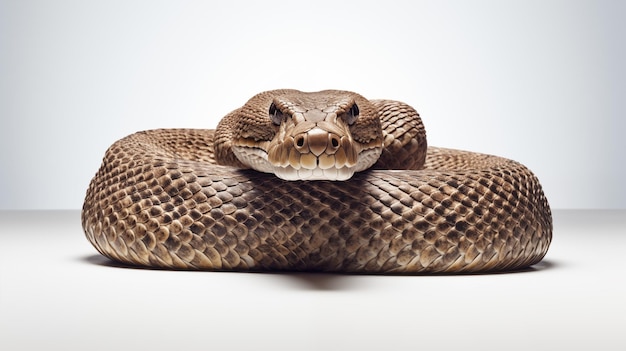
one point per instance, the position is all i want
(56, 290)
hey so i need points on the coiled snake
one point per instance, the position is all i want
(354, 189)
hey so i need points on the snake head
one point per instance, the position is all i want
(326, 135)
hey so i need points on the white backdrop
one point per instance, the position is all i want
(541, 82)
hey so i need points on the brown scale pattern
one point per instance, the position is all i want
(405, 136)
(159, 200)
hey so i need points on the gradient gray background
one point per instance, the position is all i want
(541, 82)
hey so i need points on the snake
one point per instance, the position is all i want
(325, 181)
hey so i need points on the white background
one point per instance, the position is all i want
(541, 82)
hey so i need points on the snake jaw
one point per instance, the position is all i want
(306, 166)
(317, 155)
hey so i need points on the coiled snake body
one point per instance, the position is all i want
(354, 189)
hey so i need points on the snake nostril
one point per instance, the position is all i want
(334, 141)
(299, 140)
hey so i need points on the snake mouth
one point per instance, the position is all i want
(307, 166)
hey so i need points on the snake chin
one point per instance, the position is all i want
(257, 159)
(290, 173)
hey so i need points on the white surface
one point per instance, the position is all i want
(541, 82)
(57, 293)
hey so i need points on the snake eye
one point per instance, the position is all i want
(276, 115)
(352, 114)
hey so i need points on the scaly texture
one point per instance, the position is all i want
(160, 200)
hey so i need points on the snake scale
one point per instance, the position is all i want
(325, 181)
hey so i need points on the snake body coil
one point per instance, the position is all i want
(374, 198)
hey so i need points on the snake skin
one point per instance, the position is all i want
(160, 200)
